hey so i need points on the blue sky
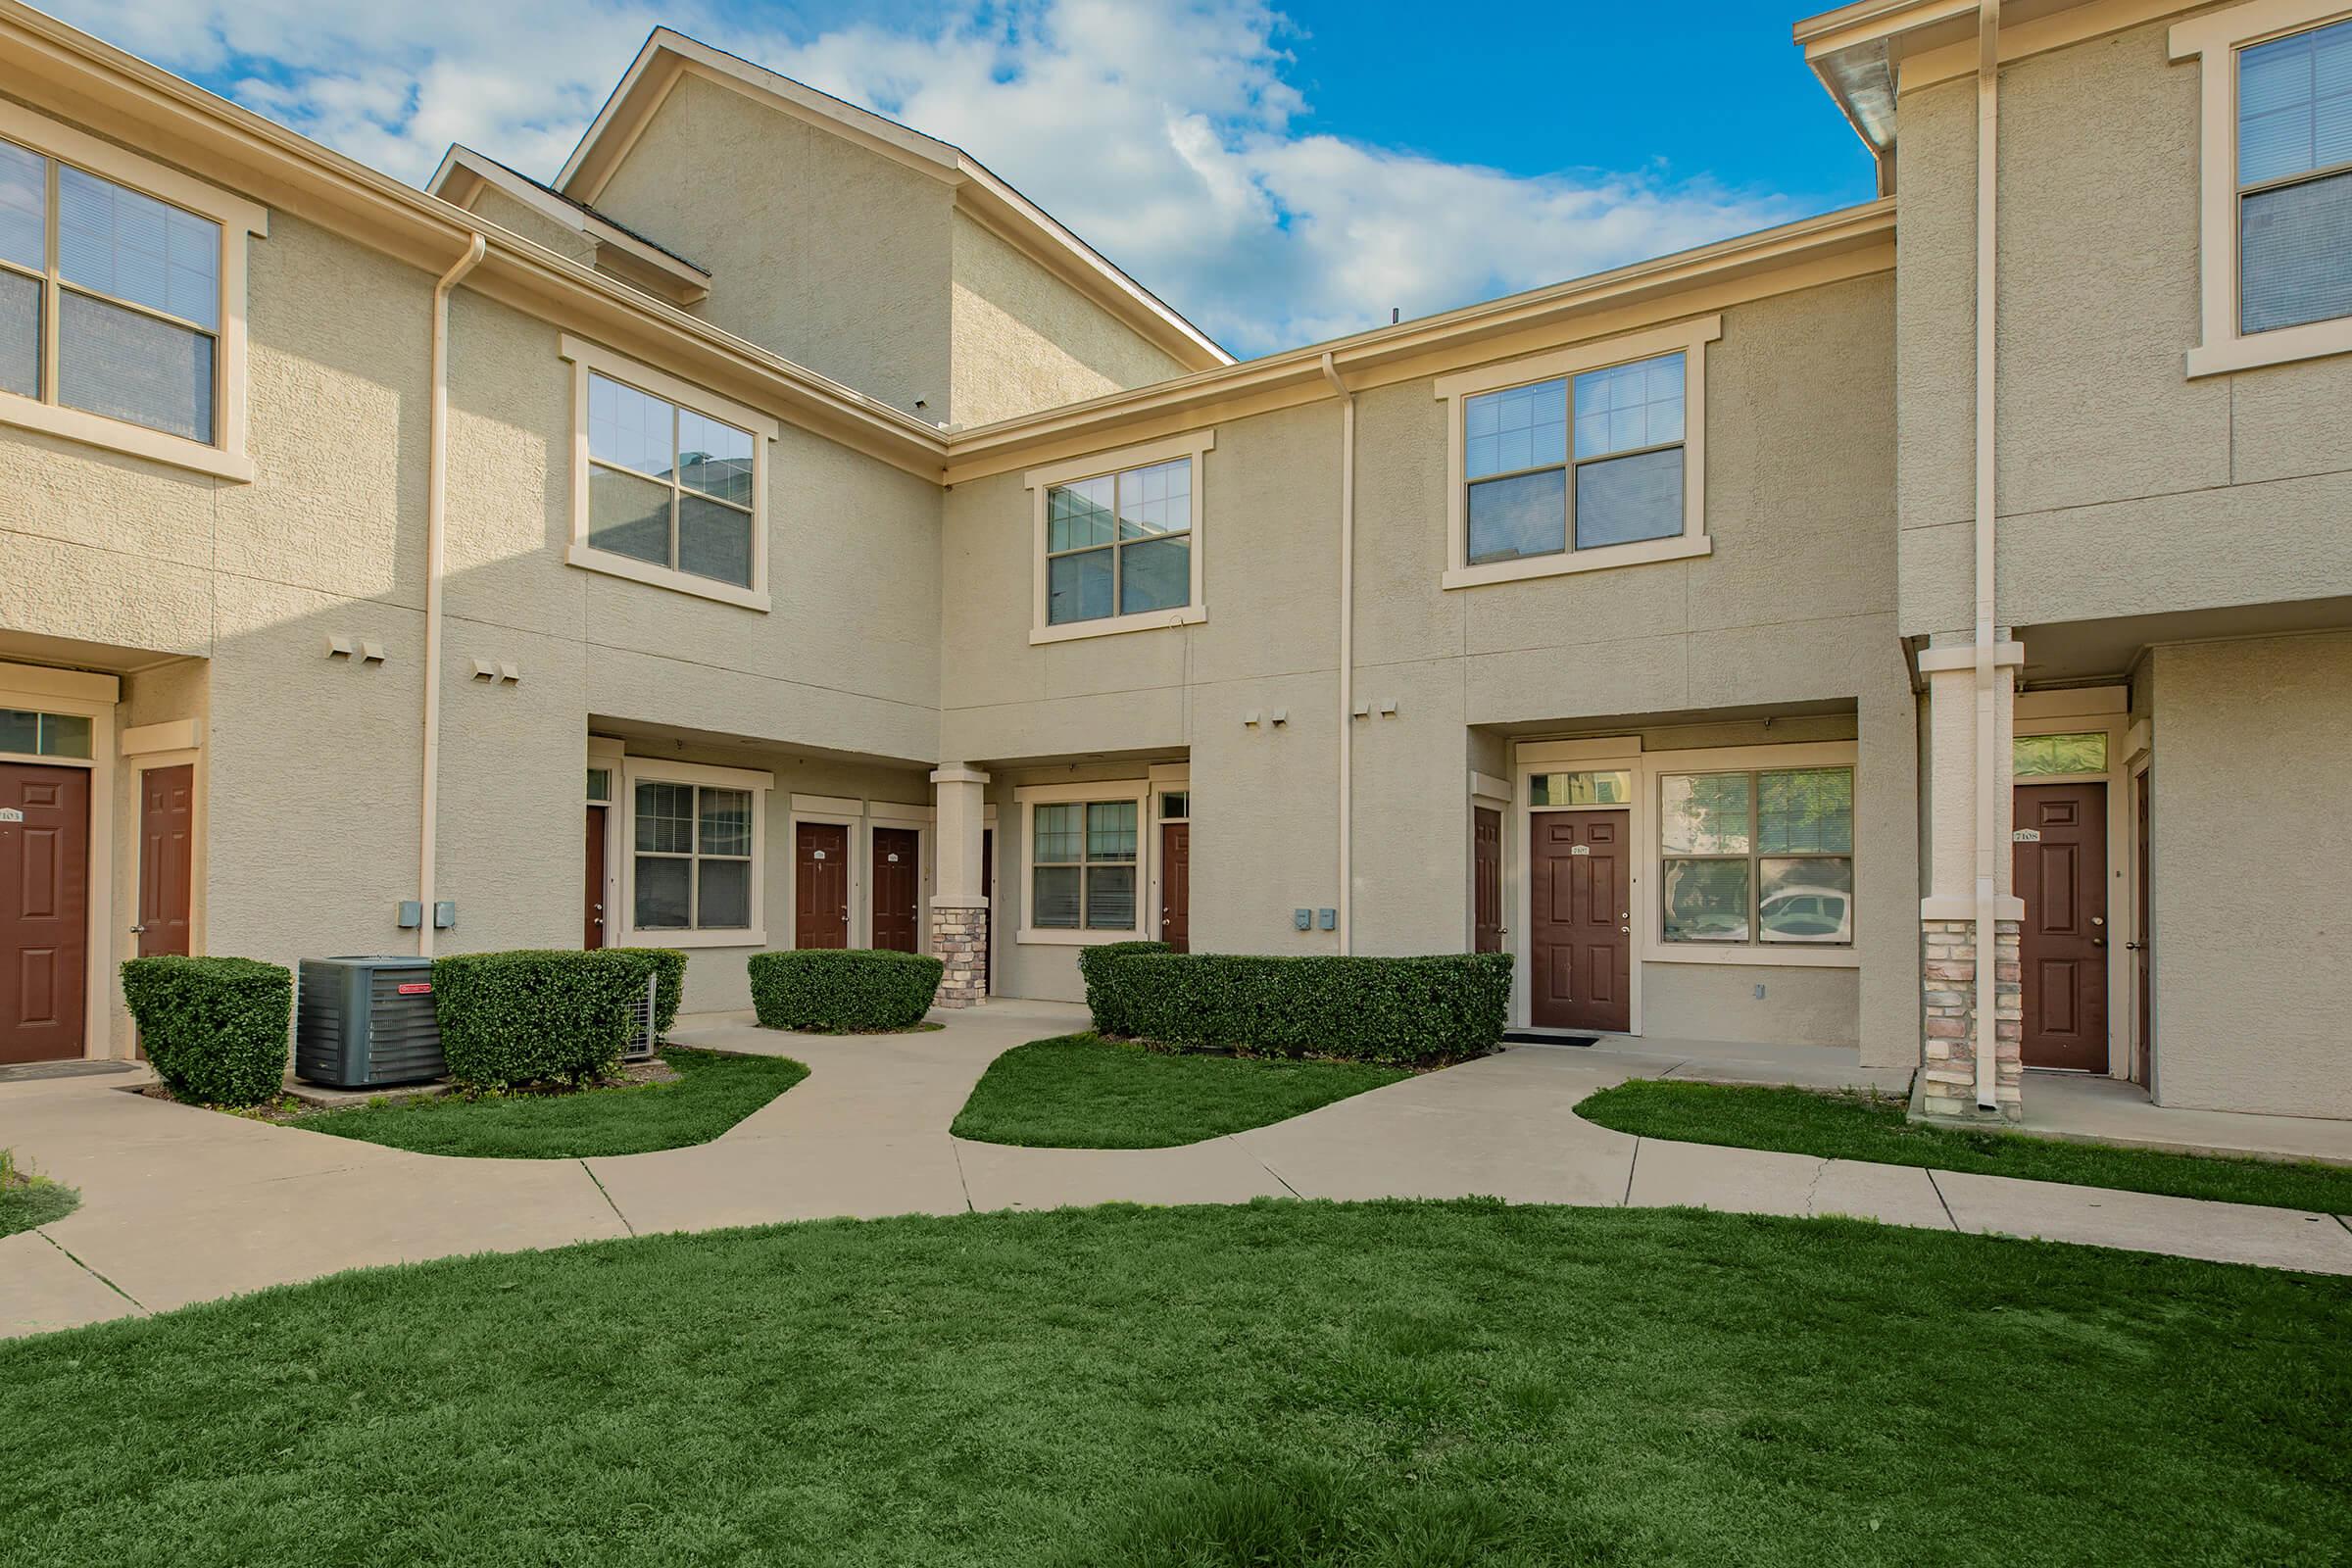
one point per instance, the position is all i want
(1280, 172)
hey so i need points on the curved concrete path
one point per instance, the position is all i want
(181, 1204)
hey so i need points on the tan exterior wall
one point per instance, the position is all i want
(1025, 340)
(220, 599)
(2125, 488)
(2253, 744)
(834, 257)
(516, 218)
(1795, 607)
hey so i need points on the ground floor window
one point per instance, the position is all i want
(1757, 856)
(1082, 865)
(693, 846)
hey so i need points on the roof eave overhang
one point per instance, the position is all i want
(1859, 237)
(65, 72)
(465, 174)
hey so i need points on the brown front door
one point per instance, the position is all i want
(821, 885)
(592, 910)
(2060, 869)
(1485, 880)
(1176, 885)
(166, 857)
(44, 910)
(897, 878)
(988, 891)
(2143, 948)
(1581, 943)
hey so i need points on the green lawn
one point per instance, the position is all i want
(1085, 1092)
(1282, 1383)
(712, 1094)
(1859, 1127)
(28, 1200)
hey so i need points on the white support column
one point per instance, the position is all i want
(958, 908)
(1951, 945)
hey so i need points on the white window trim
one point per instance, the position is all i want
(585, 357)
(1146, 860)
(1688, 338)
(655, 771)
(2213, 40)
(225, 458)
(1192, 443)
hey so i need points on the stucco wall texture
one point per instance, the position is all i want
(2117, 472)
(1791, 609)
(2253, 744)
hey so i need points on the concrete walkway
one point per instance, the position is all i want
(183, 1204)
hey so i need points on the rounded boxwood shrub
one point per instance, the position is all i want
(215, 1029)
(837, 991)
(1401, 1013)
(530, 1017)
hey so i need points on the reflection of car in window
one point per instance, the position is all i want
(1808, 915)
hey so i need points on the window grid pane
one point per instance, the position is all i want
(1758, 856)
(20, 334)
(2085, 752)
(129, 365)
(113, 240)
(2295, 254)
(1625, 408)
(1110, 830)
(24, 207)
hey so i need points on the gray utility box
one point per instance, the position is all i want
(362, 1022)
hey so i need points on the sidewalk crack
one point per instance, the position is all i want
(1627, 1202)
(93, 1273)
(956, 1148)
(1813, 1188)
(1263, 1165)
(608, 1204)
(1937, 1188)
(2345, 1223)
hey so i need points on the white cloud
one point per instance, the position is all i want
(1170, 135)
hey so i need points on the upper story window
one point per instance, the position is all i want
(1118, 541)
(121, 310)
(669, 482)
(1580, 458)
(2294, 179)
(2274, 174)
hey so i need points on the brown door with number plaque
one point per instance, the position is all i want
(44, 910)
(166, 857)
(1485, 880)
(1581, 943)
(2059, 868)
(1176, 885)
(988, 891)
(821, 885)
(897, 878)
(592, 912)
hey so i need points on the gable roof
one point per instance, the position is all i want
(669, 55)
(465, 174)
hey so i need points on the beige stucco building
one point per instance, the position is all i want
(1743, 639)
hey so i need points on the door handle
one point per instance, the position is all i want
(139, 930)
(1625, 930)
(2098, 941)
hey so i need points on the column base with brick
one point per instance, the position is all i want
(959, 940)
(1948, 987)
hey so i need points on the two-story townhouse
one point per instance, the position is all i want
(1731, 637)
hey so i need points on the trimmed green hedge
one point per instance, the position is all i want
(529, 1017)
(843, 991)
(1104, 999)
(670, 964)
(1402, 1012)
(216, 1029)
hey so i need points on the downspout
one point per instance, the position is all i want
(1987, 946)
(436, 488)
(1347, 898)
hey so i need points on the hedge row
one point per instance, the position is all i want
(215, 1029)
(843, 991)
(1403, 1012)
(555, 1016)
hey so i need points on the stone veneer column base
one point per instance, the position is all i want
(1948, 985)
(960, 938)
